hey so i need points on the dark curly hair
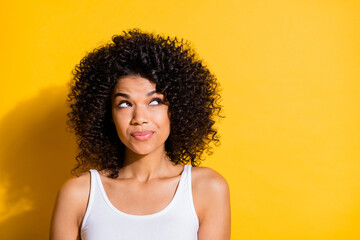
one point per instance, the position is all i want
(188, 87)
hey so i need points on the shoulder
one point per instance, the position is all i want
(70, 208)
(73, 196)
(208, 179)
(76, 187)
(210, 190)
(212, 203)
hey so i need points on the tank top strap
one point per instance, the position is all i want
(187, 177)
(94, 183)
(189, 195)
(187, 174)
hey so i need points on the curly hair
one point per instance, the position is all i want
(188, 86)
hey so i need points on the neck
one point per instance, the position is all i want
(145, 167)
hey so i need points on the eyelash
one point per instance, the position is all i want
(154, 99)
(158, 100)
(119, 105)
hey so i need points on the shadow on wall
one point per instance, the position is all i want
(36, 156)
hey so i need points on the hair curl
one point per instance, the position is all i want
(188, 86)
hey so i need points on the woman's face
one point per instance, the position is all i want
(140, 115)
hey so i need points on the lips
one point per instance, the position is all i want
(143, 135)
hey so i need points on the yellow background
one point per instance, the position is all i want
(290, 78)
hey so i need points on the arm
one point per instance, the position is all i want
(214, 213)
(70, 208)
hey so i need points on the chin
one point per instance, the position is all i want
(142, 151)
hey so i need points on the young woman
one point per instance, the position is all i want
(143, 110)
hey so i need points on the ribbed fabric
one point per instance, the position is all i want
(177, 221)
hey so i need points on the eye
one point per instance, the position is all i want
(124, 104)
(155, 101)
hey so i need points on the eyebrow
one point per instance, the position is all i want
(128, 96)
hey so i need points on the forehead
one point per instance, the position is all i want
(134, 84)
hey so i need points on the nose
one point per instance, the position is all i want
(140, 115)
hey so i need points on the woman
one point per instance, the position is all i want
(142, 108)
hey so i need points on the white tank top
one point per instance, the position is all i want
(177, 221)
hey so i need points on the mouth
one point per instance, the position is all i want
(142, 136)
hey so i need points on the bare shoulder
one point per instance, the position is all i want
(210, 191)
(209, 180)
(72, 199)
(76, 185)
(212, 203)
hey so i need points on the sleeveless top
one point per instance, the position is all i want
(177, 221)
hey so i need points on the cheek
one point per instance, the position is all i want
(164, 122)
(121, 132)
(120, 123)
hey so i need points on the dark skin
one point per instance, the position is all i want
(147, 171)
